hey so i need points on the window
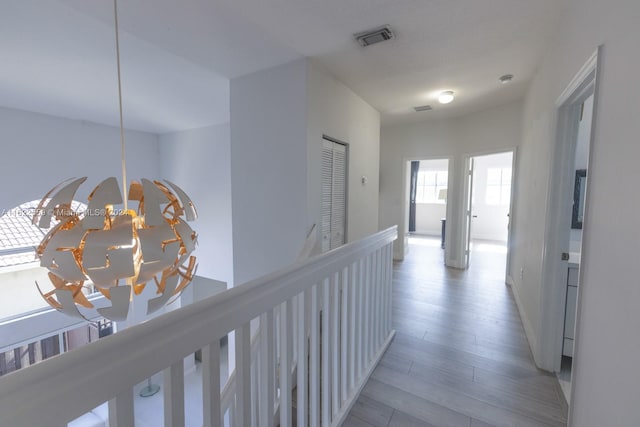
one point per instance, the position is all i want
(498, 186)
(430, 184)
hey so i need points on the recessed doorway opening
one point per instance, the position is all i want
(488, 192)
(428, 187)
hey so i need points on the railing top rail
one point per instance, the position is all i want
(97, 372)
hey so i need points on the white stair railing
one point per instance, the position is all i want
(342, 306)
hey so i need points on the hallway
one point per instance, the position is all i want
(460, 356)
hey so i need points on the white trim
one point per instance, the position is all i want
(560, 184)
(526, 324)
(586, 235)
(467, 158)
(404, 218)
(580, 78)
(509, 281)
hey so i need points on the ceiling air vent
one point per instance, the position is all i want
(374, 36)
(423, 108)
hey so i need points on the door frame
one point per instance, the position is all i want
(346, 190)
(558, 213)
(466, 189)
(403, 226)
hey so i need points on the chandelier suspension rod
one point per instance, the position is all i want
(122, 145)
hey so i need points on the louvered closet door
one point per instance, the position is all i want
(339, 195)
(334, 193)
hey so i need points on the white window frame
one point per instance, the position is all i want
(428, 194)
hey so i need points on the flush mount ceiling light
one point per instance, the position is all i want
(507, 78)
(445, 97)
(120, 249)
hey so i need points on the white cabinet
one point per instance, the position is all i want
(570, 310)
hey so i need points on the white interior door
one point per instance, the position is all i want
(468, 212)
(334, 194)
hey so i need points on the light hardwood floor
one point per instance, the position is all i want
(460, 356)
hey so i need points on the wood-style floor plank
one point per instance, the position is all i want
(460, 356)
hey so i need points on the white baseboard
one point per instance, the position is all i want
(528, 329)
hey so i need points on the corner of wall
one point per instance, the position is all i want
(526, 323)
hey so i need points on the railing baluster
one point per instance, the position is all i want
(314, 362)
(335, 343)
(330, 331)
(121, 410)
(302, 359)
(267, 374)
(389, 286)
(243, 375)
(344, 333)
(379, 299)
(371, 299)
(353, 296)
(255, 372)
(361, 317)
(326, 353)
(211, 385)
(286, 314)
(174, 395)
(374, 302)
(367, 311)
(383, 308)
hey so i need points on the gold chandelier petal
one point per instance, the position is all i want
(59, 203)
(152, 199)
(154, 304)
(67, 303)
(120, 298)
(49, 298)
(156, 243)
(187, 203)
(59, 254)
(105, 194)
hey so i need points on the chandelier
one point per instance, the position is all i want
(124, 240)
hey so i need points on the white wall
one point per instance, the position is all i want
(429, 217)
(268, 169)
(334, 110)
(199, 161)
(18, 287)
(491, 221)
(40, 151)
(278, 118)
(605, 366)
(492, 130)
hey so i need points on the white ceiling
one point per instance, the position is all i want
(57, 56)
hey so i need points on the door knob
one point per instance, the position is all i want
(565, 256)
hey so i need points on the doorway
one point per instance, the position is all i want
(428, 186)
(568, 203)
(488, 190)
